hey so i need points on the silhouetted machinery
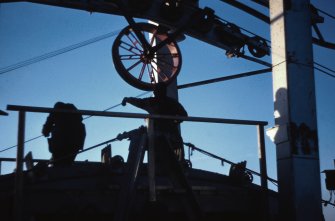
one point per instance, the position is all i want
(144, 53)
(330, 179)
(330, 185)
(119, 191)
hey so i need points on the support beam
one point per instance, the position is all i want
(18, 187)
(262, 156)
(153, 12)
(225, 78)
(295, 111)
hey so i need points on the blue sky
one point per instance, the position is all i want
(87, 78)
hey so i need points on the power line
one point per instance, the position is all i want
(109, 108)
(317, 68)
(8, 148)
(325, 72)
(191, 84)
(243, 29)
(117, 105)
(324, 67)
(56, 53)
(328, 14)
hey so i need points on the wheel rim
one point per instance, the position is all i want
(142, 68)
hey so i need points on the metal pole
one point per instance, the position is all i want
(135, 115)
(263, 171)
(225, 78)
(128, 190)
(262, 156)
(151, 161)
(18, 188)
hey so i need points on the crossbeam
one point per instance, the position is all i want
(135, 115)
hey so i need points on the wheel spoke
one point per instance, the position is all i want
(134, 65)
(135, 40)
(166, 64)
(131, 47)
(160, 73)
(142, 71)
(151, 74)
(129, 57)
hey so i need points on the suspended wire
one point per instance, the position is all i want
(56, 53)
(109, 108)
(328, 14)
(312, 66)
(8, 148)
(324, 67)
(193, 147)
(319, 69)
(325, 72)
(142, 94)
(216, 16)
(117, 105)
(53, 54)
(252, 33)
(105, 36)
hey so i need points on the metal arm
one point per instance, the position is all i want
(207, 29)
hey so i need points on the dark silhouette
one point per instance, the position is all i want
(67, 134)
(168, 145)
(166, 131)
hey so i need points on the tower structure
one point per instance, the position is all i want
(295, 110)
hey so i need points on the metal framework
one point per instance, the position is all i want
(135, 157)
(198, 23)
(296, 139)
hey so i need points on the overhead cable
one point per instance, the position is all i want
(56, 53)
(109, 108)
(325, 72)
(328, 14)
(252, 33)
(8, 148)
(324, 67)
(317, 68)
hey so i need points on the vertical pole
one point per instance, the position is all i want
(128, 190)
(295, 111)
(18, 191)
(263, 171)
(262, 156)
(172, 88)
(151, 161)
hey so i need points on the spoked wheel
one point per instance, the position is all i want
(143, 67)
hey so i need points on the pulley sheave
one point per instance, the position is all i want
(143, 64)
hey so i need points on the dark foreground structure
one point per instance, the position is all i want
(116, 190)
(90, 191)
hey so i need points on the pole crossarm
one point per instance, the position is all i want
(135, 115)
